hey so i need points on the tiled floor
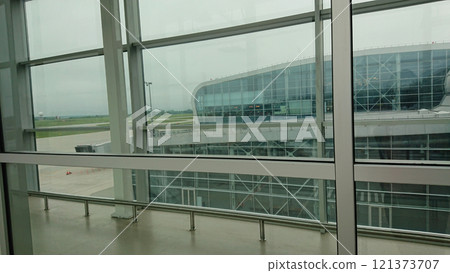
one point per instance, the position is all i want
(65, 230)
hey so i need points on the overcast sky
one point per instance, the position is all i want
(79, 88)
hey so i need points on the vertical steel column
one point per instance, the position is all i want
(343, 125)
(117, 101)
(320, 116)
(4, 242)
(137, 88)
(17, 114)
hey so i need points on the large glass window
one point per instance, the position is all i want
(109, 130)
(404, 206)
(160, 18)
(70, 105)
(59, 27)
(396, 207)
(281, 197)
(252, 76)
(400, 73)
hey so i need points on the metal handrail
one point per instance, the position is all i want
(249, 216)
(385, 233)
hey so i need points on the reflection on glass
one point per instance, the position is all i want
(59, 27)
(266, 78)
(159, 18)
(403, 206)
(281, 197)
(250, 193)
(96, 182)
(401, 84)
(270, 98)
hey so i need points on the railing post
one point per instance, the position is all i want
(135, 214)
(46, 203)
(262, 231)
(86, 208)
(192, 220)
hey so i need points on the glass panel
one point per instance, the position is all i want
(270, 99)
(67, 95)
(190, 80)
(57, 27)
(257, 194)
(271, 82)
(230, 191)
(401, 99)
(160, 19)
(4, 52)
(423, 208)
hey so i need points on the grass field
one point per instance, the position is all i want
(102, 120)
(68, 121)
(62, 133)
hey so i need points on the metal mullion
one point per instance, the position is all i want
(6, 246)
(380, 5)
(65, 57)
(20, 106)
(288, 160)
(343, 126)
(137, 89)
(115, 83)
(315, 170)
(320, 115)
(379, 122)
(287, 21)
(325, 14)
(405, 162)
(403, 174)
